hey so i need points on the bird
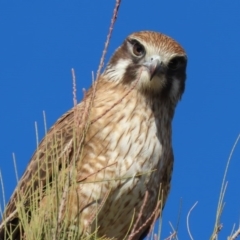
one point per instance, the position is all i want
(105, 166)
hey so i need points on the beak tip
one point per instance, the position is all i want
(153, 67)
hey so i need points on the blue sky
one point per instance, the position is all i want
(42, 40)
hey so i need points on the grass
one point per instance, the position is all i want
(49, 219)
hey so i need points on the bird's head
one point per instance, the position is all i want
(155, 61)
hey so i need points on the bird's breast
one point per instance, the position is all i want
(125, 155)
(128, 142)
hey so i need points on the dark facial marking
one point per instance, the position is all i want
(176, 69)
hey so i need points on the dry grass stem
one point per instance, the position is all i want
(38, 226)
(134, 232)
(83, 179)
(117, 102)
(235, 235)
(2, 189)
(152, 216)
(45, 122)
(64, 195)
(139, 215)
(188, 216)
(15, 167)
(36, 132)
(87, 110)
(98, 209)
(113, 20)
(218, 229)
(179, 215)
(172, 236)
(220, 206)
(101, 64)
(74, 88)
(157, 213)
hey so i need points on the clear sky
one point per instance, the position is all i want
(42, 40)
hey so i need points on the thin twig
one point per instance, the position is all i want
(140, 214)
(113, 20)
(188, 216)
(179, 215)
(172, 235)
(101, 64)
(160, 196)
(157, 213)
(83, 179)
(154, 213)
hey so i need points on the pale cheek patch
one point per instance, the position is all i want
(144, 77)
(116, 72)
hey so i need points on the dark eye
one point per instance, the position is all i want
(137, 49)
(176, 63)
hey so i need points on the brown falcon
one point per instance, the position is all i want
(113, 150)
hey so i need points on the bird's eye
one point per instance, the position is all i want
(176, 62)
(137, 49)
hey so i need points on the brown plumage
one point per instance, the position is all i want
(126, 161)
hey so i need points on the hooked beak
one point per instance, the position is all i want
(154, 66)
